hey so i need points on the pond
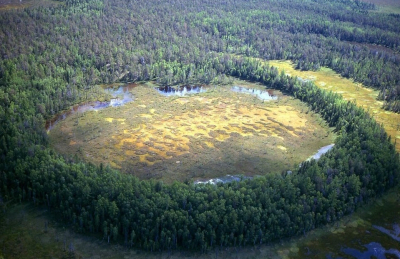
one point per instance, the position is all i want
(374, 249)
(225, 179)
(267, 95)
(120, 96)
(321, 151)
(181, 90)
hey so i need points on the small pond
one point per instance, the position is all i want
(180, 91)
(267, 95)
(120, 96)
(224, 179)
(321, 151)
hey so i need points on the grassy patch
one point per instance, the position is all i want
(200, 136)
(365, 97)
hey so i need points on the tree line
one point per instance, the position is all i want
(99, 41)
(74, 46)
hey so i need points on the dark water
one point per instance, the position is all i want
(120, 96)
(260, 94)
(374, 250)
(180, 91)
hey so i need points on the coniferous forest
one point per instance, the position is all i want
(53, 57)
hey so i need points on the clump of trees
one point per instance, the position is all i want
(76, 45)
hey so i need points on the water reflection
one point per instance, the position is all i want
(395, 234)
(225, 179)
(321, 151)
(180, 91)
(374, 250)
(120, 96)
(260, 94)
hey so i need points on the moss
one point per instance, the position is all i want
(222, 129)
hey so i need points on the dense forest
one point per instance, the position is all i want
(53, 57)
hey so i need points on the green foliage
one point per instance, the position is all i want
(83, 43)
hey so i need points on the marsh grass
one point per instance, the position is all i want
(327, 79)
(211, 134)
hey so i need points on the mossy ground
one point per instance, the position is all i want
(199, 136)
(327, 79)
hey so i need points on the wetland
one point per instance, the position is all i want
(181, 137)
(365, 97)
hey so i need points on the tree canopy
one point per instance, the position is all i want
(52, 58)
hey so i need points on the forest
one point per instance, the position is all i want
(53, 57)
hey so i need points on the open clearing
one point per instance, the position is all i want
(365, 97)
(201, 136)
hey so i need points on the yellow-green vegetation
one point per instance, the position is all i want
(327, 79)
(200, 136)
